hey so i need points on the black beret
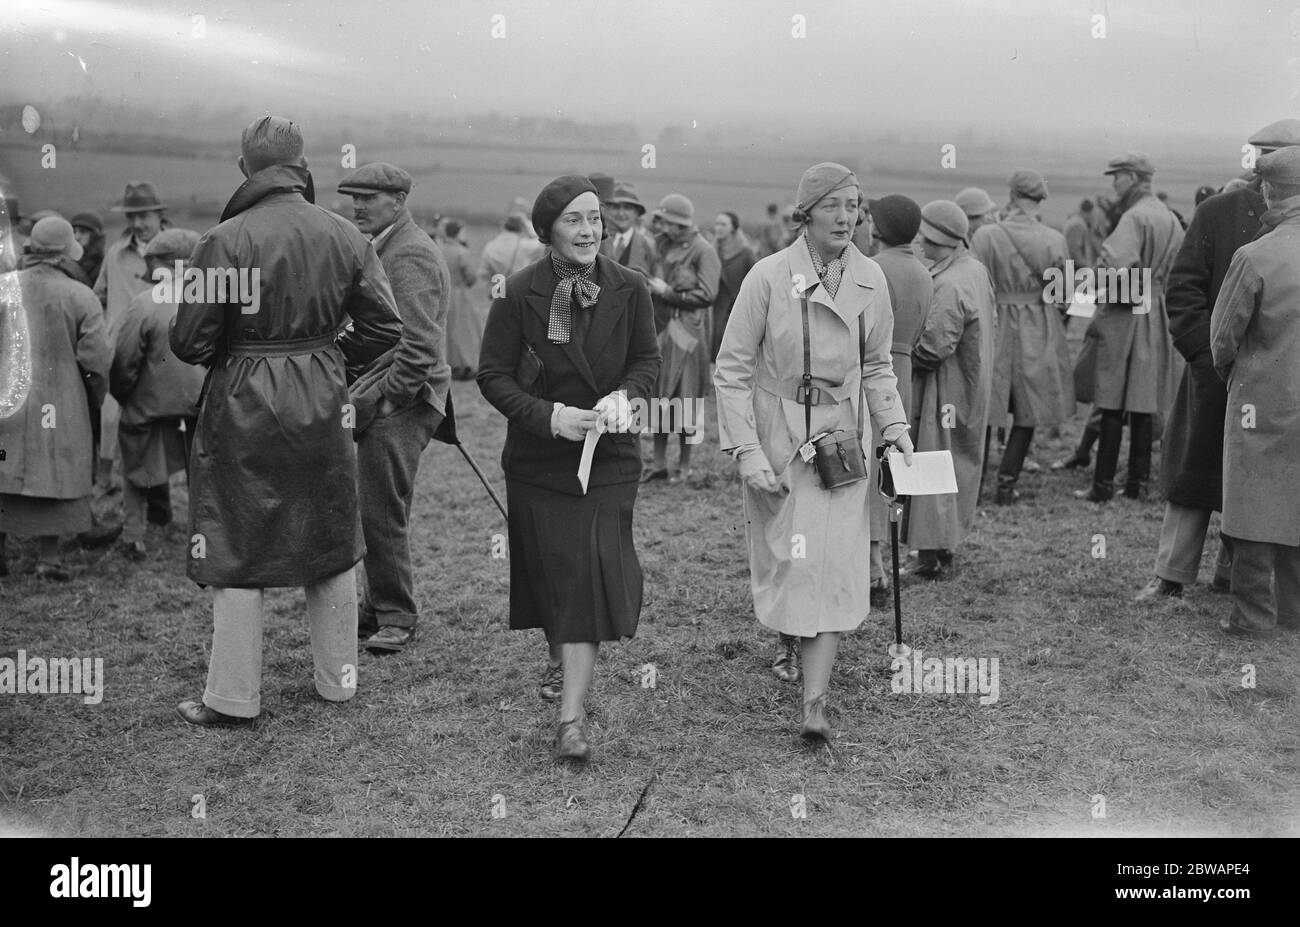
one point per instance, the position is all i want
(557, 194)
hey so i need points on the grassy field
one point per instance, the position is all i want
(1143, 706)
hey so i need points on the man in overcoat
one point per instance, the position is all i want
(1136, 368)
(1255, 343)
(273, 470)
(1192, 447)
(1033, 378)
(400, 402)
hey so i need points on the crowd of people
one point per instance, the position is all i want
(299, 409)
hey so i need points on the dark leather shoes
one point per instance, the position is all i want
(880, 596)
(390, 639)
(571, 741)
(1159, 589)
(923, 568)
(815, 726)
(786, 666)
(195, 712)
(651, 475)
(552, 686)
(1097, 493)
(1006, 496)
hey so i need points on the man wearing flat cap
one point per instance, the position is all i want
(400, 401)
(273, 468)
(158, 392)
(628, 243)
(1192, 446)
(1136, 369)
(1255, 344)
(953, 364)
(1033, 377)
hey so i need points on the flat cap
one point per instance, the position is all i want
(1134, 161)
(376, 177)
(975, 202)
(1281, 166)
(1280, 134)
(1028, 183)
(173, 242)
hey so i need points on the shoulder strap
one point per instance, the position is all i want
(807, 371)
(1014, 244)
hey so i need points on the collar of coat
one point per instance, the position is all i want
(1285, 212)
(278, 178)
(382, 240)
(940, 266)
(609, 308)
(856, 285)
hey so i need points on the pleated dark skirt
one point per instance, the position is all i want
(573, 567)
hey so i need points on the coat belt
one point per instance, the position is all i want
(286, 348)
(829, 393)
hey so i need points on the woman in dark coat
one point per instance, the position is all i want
(736, 252)
(566, 351)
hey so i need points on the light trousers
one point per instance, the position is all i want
(1265, 585)
(235, 668)
(1182, 538)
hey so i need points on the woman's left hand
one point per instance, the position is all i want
(902, 441)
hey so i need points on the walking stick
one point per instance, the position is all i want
(446, 433)
(482, 478)
(886, 481)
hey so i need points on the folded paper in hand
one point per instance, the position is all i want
(588, 450)
(931, 473)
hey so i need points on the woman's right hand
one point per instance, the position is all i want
(572, 423)
(756, 471)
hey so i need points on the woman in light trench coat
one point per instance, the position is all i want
(809, 547)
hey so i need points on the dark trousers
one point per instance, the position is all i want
(1139, 452)
(1013, 458)
(388, 458)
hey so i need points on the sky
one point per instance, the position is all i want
(1164, 68)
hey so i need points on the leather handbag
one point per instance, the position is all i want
(838, 455)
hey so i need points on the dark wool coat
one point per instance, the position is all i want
(523, 374)
(1193, 440)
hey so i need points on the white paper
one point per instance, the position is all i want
(1083, 305)
(931, 473)
(588, 450)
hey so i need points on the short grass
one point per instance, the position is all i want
(1142, 705)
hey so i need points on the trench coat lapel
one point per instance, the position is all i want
(854, 291)
(539, 300)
